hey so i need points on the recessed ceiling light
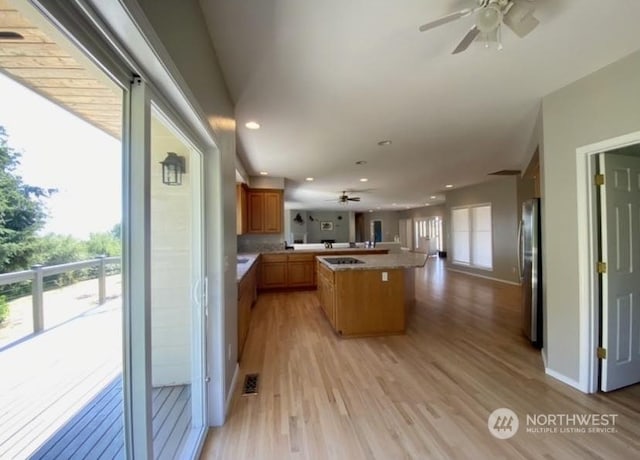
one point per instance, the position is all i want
(363, 179)
(449, 186)
(394, 204)
(384, 142)
(427, 204)
(252, 125)
(309, 179)
(361, 162)
(433, 197)
(264, 173)
(370, 210)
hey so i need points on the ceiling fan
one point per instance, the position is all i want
(344, 198)
(489, 17)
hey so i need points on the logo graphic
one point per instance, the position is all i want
(503, 423)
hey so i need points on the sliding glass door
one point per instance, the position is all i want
(177, 319)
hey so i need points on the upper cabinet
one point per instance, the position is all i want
(264, 211)
(242, 220)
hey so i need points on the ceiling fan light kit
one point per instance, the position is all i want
(489, 16)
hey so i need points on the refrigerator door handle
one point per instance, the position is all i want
(520, 244)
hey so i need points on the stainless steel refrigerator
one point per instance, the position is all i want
(530, 265)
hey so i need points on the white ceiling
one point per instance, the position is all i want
(329, 79)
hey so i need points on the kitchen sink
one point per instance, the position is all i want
(343, 260)
(242, 260)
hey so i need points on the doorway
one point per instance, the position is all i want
(376, 230)
(602, 308)
(618, 197)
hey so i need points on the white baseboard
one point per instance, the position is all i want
(513, 283)
(232, 390)
(563, 378)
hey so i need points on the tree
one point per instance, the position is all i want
(103, 244)
(22, 211)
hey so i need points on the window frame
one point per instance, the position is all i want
(471, 233)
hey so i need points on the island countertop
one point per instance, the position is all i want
(378, 262)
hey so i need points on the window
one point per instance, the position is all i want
(472, 236)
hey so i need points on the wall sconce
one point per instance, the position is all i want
(172, 169)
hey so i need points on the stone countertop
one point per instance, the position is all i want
(243, 268)
(328, 251)
(380, 261)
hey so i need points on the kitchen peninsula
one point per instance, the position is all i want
(367, 295)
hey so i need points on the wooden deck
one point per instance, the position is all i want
(61, 394)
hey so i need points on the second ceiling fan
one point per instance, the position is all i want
(489, 17)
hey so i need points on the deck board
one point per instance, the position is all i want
(61, 394)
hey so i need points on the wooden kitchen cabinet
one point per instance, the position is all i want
(273, 271)
(246, 297)
(326, 292)
(264, 211)
(241, 209)
(300, 270)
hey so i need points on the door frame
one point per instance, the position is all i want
(372, 229)
(588, 252)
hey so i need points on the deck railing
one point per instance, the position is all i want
(38, 272)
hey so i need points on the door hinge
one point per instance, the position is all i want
(602, 353)
(602, 267)
(599, 179)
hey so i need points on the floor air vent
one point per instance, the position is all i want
(250, 386)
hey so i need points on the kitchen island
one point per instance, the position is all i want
(367, 295)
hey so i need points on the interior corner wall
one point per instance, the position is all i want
(390, 224)
(601, 106)
(501, 192)
(181, 28)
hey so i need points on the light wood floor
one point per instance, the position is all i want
(426, 394)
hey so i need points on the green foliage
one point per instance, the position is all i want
(4, 309)
(103, 244)
(22, 211)
(55, 249)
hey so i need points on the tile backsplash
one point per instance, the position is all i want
(260, 243)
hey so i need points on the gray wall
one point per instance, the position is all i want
(425, 211)
(600, 106)
(340, 231)
(390, 226)
(181, 28)
(502, 194)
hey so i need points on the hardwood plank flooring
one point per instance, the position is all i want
(426, 394)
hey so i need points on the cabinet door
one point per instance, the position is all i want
(300, 274)
(273, 275)
(272, 213)
(256, 210)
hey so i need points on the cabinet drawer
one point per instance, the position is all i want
(268, 258)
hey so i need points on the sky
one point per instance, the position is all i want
(62, 151)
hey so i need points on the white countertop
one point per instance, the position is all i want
(243, 268)
(380, 261)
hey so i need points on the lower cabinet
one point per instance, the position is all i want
(273, 271)
(326, 292)
(287, 270)
(246, 297)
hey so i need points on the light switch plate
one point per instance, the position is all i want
(385, 276)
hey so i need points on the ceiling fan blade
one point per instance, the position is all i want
(355, 198)
(520, 19)
(467, 40)
(447, 19)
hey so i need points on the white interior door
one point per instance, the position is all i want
(620, 221)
